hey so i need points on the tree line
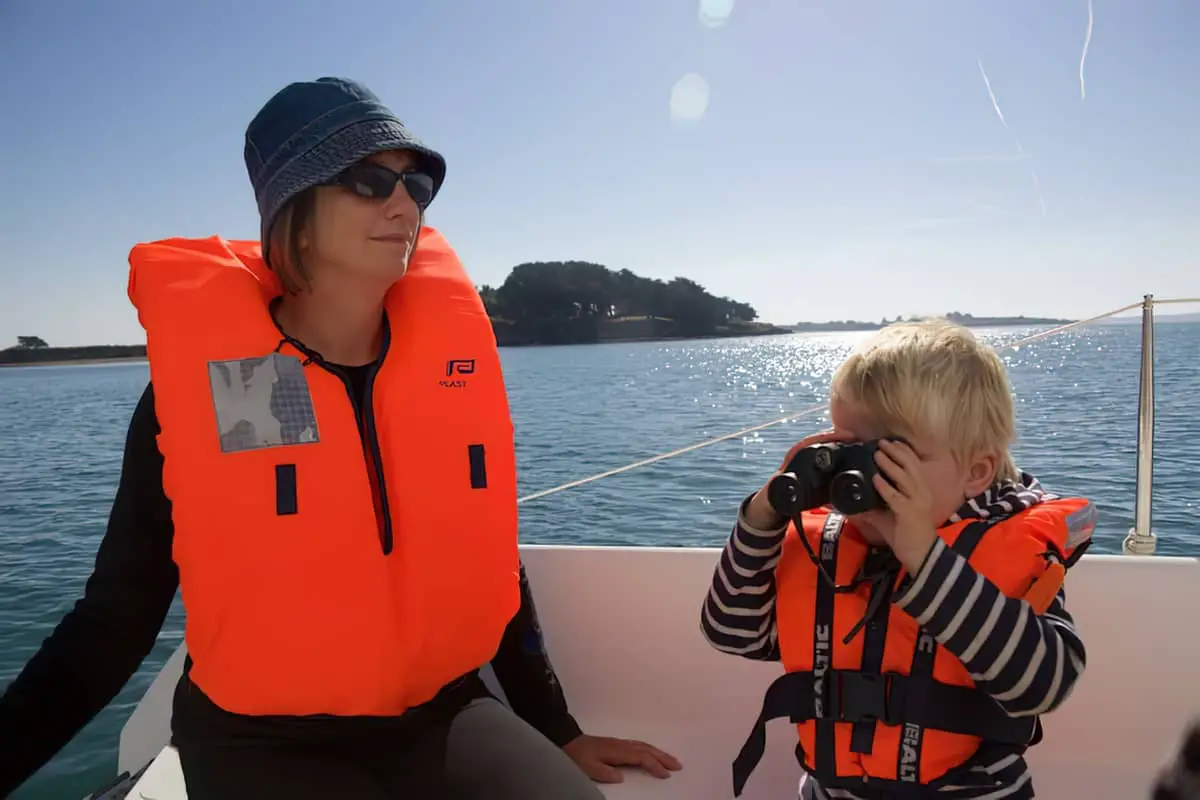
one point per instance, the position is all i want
(565, 302)
(544, 302)
(35, 350)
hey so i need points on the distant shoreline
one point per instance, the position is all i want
(840, 326)
(73, 362)
(47, 357)
(76, 356)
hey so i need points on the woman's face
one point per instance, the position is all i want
(359, 229)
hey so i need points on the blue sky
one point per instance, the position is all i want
(849, 162)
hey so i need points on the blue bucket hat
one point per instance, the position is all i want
(310, 131)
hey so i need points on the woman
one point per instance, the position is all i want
(337, 452)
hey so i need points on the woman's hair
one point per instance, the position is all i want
(934, 378)
(283, 243)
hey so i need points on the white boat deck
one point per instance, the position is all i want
(634, 664)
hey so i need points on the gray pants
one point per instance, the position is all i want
(493, 753)
(487, 753)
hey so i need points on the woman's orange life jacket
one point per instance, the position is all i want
(331, 562)
(889, 707)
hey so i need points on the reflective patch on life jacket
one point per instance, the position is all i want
(1080, 525)
(262, 401)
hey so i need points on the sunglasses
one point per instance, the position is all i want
(377, 182)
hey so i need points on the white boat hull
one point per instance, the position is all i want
(622, 628)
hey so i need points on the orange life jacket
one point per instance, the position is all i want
(330, 563)
(881, 705)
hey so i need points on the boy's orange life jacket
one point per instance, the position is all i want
(332, 560)
(889, 707)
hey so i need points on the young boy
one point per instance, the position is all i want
(920, 640)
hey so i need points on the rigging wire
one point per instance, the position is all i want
(1059, 329)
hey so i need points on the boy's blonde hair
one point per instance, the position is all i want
(934, 378)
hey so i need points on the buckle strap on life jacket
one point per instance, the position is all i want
(862, 737)
(920, 673)
(971, 774)
(851, 696)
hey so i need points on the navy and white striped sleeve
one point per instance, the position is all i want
(1028, 662)
(739, 611)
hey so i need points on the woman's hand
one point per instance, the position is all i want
(599, 757)
(759, 513)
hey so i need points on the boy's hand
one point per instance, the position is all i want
(910, 501)
(759, 513)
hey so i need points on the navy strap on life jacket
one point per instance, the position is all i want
(867, 697)
(920, 673)
(818, 683)
(862, 736)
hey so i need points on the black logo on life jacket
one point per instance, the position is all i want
(822, 651)
(912, 737)
(458, 367)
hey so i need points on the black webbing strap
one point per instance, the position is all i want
(920, 673)
(826, 748)
(851, 696)
(862, 737)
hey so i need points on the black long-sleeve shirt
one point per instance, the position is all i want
(113, 627)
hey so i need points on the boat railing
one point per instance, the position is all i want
(1141, 539)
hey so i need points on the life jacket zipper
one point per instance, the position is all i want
(364, 417)
(371, 438)
(365, 420)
